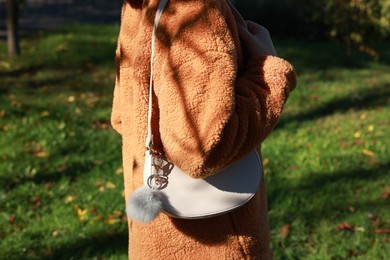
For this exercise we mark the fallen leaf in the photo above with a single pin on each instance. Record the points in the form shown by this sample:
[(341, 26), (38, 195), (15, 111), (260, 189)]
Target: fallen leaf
[(363, 116), (379, 133), (351, 209), (97, 162), (16, 104), (343, 144), (78, 111), (119, 171), (45, 113), (360, 229), (370, 128), (94, 212), (69, 199), (382, 231), (81, 213), (314, 97), (48, 185), (61, 169), (110, 185), (368, 153), (91, 100), (345, 226), (61, 126), (98, 218), (112, 219), (310, 241), (285, 230), (102, 124), (386, 194), (293, 167), (360, 142), (38, 151), (42, 154), (11, 219), (265, 162), (71, 99), (99, 183), (55, 233), (357, 135), (63, 47), (376, 220), (37, 202), (5, 128), (5, 64), (117, 213)]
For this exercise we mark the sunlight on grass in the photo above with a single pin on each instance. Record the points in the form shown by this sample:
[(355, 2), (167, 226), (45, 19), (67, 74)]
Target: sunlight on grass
[(61, 182), (329, 165)]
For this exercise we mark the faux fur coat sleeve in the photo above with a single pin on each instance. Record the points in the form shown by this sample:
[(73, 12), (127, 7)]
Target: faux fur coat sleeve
[(209, 114)]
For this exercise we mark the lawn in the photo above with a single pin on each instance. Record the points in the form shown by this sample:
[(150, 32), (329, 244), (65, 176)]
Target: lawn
[(61, 181)]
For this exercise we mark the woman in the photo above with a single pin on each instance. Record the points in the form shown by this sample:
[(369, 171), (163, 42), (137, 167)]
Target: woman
[(213, 103)]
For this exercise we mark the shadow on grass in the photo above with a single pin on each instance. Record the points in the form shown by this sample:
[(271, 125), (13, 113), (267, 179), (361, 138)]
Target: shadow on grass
[(21, 71), (368, 98), (72, 48), (317, 186), (71, 172), (94, 246), (30, 84), (322, 55)]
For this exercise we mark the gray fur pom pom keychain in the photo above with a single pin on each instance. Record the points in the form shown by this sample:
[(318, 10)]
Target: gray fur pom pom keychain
[(144, 204)]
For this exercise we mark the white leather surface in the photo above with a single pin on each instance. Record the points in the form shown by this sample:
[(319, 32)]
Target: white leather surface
[(185, 197)]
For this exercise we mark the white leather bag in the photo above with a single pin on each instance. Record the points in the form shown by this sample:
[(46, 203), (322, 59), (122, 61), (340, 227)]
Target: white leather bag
[(168, 188)]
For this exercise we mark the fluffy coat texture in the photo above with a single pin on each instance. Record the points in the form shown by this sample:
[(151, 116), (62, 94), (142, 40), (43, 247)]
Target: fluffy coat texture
[(211, 107)]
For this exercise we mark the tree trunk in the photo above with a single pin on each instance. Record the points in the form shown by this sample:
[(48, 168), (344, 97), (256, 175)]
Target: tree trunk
[(12, 28)]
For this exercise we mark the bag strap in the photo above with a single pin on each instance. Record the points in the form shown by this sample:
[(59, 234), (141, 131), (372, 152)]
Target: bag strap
[(160, 9)]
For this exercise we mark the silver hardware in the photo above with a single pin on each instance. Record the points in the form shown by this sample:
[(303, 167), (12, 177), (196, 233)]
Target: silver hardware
[(162, 168)]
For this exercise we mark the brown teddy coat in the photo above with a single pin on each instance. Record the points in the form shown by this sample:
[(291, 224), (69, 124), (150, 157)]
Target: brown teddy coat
[(211, 106)]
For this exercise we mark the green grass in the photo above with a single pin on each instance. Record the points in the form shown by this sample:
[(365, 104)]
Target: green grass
[(329, 158), (61, 183)]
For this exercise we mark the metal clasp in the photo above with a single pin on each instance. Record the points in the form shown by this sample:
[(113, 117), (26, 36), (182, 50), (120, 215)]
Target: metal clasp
[(161, 169)]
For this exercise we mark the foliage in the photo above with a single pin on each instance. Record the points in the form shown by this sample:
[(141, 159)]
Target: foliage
[(61, 179), (356, 22), (353, 23)]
